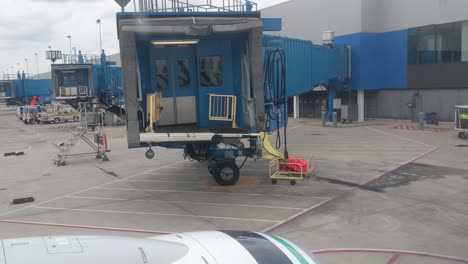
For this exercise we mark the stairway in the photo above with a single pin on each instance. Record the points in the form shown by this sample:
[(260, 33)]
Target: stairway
[(89, 125), (65, 147)]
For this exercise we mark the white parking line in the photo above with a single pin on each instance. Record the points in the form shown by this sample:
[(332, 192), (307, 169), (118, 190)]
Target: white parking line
[(87, 189), (100, 228), (165, 173), (182, 202), (298, 215), (304, 186), (161, 214), (163, 181), (222, 193), (398, 136), (261, 185)]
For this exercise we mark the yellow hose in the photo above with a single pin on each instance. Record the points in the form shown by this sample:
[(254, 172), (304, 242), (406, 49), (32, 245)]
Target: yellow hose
[(269, 148)]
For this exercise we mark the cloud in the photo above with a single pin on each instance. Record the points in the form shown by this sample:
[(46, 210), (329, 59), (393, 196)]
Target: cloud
[(30, 26)]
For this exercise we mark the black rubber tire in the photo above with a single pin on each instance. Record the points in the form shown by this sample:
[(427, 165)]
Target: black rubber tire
[(293, 182), (226, 173), (32, 121), (149, 154), (462, 135), (274, 181), (56, 120)]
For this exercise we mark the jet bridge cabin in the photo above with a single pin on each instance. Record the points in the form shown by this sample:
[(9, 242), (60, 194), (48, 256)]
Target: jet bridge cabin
[(7, 91), (191, 74)]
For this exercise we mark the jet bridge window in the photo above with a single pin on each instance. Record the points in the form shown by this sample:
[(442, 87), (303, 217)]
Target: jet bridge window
[(211, 71), (184, 73), (162, 74)]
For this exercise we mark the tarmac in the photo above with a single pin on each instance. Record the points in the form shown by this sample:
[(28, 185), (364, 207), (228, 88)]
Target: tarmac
[(381, 191)]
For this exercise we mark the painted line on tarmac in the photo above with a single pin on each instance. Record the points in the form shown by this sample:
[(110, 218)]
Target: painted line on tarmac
[(398, 136), (101, 228), (182, 202), (261, 185), (166, 173), (393, 259), (87, 189), (160, 214), (303, 186), (269, 229), (292, 128), (223, 193), (163, 181), (388, 251)]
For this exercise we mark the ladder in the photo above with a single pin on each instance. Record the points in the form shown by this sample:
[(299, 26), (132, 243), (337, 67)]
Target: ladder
[(71, 134)]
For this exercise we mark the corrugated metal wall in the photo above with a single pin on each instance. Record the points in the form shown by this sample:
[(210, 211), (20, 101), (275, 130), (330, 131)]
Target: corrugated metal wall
[(33, 87), (308, 65)]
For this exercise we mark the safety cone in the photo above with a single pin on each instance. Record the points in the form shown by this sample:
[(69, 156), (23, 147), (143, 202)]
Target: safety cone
[(104, 136)]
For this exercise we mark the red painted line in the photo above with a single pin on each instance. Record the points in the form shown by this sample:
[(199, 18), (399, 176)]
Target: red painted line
[(393, 259), (399, 253), (86, 227), (344, 193)]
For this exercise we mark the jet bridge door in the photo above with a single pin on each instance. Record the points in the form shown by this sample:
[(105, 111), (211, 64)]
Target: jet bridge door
[(173, 74)]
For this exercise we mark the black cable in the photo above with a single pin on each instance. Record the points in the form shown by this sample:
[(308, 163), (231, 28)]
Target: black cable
[(243, 163), (275, 83)]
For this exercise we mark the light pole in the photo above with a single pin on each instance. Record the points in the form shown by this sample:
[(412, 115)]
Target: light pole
[(27, 67), (98, 21), (69, 40), (37, 65)]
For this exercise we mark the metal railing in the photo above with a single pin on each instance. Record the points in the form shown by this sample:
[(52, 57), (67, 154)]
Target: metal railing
[(87, 59), (12, 77), (222, 108), (196, 6)]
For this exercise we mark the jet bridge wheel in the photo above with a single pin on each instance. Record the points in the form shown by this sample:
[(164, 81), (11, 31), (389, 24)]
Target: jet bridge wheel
[(226, 173), (462, 135)]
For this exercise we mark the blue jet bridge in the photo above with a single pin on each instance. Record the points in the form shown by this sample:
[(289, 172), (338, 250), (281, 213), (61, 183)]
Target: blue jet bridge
[(19, 89), (204, 78), (84, 78), (7, 91)]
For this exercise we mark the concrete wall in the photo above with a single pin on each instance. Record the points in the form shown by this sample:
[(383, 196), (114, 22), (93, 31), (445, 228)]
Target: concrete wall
[(394, 103), (370, 16), (402, 14), (451, 75), (307, 19)]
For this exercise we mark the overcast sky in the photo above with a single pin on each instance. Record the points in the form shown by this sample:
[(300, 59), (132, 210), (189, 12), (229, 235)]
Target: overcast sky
[(30, 26)]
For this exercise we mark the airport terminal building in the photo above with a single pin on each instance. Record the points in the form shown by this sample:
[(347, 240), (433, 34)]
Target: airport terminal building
[(407, 56)]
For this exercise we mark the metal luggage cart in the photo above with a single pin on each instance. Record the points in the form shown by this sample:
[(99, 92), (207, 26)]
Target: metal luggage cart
[(291, 170), (461, 121)]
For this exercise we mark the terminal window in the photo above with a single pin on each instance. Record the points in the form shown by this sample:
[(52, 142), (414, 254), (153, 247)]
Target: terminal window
[(438, 44)]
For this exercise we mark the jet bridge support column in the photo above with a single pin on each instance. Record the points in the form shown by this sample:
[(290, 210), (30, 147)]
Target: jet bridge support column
[(360, 102), (296, 106)]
